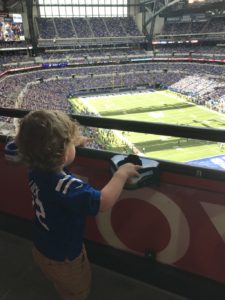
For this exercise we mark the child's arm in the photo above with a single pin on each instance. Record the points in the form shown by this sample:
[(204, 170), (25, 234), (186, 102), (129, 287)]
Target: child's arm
[(83, 141), (112, 190)]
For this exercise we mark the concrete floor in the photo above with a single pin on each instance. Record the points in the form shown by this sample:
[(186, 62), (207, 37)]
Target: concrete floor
[(20, 279)]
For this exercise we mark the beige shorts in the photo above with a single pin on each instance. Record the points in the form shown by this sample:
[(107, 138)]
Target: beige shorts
[(72, 279)]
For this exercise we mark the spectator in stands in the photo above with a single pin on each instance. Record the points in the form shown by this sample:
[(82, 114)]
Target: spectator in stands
[(16, 28), (46, 141)]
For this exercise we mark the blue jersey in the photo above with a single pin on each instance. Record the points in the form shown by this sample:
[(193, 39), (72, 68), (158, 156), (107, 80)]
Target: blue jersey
[(61, 202)]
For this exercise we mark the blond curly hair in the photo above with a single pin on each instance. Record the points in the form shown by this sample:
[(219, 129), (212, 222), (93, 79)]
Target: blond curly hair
[(43, 137)]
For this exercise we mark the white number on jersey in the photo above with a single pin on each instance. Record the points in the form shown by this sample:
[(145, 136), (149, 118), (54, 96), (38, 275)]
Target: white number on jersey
[(39, 209)]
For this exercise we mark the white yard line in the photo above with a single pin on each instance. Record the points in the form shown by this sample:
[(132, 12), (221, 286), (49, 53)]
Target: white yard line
[(91, 107)]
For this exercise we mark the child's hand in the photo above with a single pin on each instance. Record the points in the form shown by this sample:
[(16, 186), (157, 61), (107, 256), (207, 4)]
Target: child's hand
[(84, 140), (111, 191), (129, 170)]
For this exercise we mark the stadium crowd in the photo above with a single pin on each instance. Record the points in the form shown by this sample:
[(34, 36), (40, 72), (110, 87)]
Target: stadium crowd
[(187, 49), (50, 28), (202, 82), (205, 26)]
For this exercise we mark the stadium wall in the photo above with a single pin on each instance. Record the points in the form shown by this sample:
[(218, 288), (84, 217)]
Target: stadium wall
[(25, 22), (134, 11), (139, 21), (35, 15), (159, 23)]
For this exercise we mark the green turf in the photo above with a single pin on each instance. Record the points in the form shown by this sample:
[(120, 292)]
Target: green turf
[(163, 107)]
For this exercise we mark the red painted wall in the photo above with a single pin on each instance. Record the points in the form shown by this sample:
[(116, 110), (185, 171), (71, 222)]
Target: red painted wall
[(183, 219)]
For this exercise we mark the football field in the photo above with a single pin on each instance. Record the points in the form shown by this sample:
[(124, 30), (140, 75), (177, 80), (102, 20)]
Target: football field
[(160, 107)]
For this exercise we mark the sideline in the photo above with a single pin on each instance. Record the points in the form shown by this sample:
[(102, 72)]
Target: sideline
[(203, 107), (116, 132)]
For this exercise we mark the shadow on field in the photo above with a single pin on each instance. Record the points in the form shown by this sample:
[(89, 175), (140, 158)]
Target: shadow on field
[(220, 123), (144, 109)]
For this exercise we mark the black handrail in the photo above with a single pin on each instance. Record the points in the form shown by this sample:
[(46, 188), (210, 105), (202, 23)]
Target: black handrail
[(208, 134)]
